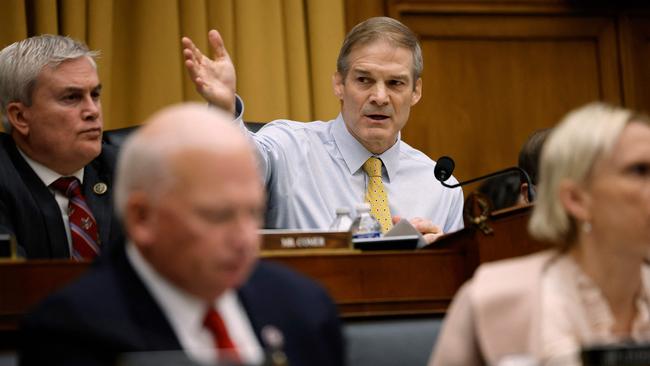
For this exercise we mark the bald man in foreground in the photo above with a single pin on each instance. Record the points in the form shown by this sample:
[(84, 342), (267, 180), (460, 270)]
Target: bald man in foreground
[(188, 277)]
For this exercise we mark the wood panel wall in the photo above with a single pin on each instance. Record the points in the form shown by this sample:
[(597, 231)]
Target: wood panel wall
[(495, 71)]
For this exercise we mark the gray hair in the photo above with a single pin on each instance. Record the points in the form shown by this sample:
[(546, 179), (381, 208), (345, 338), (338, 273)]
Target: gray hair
[(22, 62), (569, 153), (380, 28)]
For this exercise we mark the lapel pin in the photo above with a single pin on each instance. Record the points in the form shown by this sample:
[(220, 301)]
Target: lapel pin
[(100, 188)]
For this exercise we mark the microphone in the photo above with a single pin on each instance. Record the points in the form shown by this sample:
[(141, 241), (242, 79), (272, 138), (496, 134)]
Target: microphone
[(445, 166)]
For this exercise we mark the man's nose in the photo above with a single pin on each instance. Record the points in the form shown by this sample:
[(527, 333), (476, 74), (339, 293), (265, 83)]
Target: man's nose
[(379, 94), (91, 108)]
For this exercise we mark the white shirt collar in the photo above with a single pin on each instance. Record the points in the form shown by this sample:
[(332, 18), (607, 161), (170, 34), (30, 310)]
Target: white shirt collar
[(355, 154), (186, 313), (186, 308), (47, 175)]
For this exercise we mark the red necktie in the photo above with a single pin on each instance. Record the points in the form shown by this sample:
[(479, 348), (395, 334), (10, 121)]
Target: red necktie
[(83, 227), (222, 341)]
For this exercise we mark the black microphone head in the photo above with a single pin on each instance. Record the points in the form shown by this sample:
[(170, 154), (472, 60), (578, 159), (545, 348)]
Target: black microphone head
[(444, 168)]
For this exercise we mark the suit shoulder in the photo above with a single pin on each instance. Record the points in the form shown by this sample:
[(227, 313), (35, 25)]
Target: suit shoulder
[(108, 156), (84, 296), (5, 159), (103, 166), (280, 280)]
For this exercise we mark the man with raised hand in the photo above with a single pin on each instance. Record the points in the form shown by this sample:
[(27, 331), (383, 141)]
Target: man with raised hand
[(311, 169)]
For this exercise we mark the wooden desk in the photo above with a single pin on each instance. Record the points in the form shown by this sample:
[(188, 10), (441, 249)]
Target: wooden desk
[(387, 283), (25, 283), (390, 283)]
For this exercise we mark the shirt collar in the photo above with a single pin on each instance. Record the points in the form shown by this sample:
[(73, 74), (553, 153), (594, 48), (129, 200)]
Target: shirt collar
[(354, 154), (47, 175), (186, 312), (184, 309)]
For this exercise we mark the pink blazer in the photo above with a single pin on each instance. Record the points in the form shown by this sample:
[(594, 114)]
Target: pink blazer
[(495, 314)]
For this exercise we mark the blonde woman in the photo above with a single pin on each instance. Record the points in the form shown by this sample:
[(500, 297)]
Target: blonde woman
[(594, 287)]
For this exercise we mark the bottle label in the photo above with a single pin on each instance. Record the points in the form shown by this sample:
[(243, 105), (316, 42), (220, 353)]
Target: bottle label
[(367, 235)]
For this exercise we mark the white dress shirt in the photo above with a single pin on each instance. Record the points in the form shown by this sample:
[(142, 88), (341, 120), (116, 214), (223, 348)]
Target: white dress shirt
[(311, 169), (186, 314)]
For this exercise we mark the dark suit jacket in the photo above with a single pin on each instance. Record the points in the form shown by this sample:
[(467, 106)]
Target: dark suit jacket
[(30, 212), (109, 311)]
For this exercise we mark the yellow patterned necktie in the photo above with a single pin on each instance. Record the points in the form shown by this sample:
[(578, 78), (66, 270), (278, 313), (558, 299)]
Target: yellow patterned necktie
[(376, 195)]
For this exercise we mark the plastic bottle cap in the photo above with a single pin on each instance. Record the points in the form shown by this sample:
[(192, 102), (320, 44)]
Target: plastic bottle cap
[(342, 210), (363, 206)]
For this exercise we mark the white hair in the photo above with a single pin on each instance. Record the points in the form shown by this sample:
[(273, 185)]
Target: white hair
[(144, 161), (140, 166)]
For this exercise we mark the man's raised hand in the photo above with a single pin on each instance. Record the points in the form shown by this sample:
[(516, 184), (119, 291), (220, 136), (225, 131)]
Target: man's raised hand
[(215, 78)]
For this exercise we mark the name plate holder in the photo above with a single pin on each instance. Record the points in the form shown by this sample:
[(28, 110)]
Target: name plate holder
[(8, 248), (305, 239)]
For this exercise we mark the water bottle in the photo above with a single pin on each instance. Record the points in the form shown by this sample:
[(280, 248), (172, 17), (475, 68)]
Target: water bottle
[(365, 225), (343, 221)]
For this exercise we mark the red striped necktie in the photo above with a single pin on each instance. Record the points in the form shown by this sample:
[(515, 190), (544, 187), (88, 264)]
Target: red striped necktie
[(83, 226), (222, 341)]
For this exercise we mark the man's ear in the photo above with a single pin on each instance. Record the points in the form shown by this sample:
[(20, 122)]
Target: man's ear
[(138, 219), (337, 84), (523, 192), (417, 92), (575, 199), (17, 115)]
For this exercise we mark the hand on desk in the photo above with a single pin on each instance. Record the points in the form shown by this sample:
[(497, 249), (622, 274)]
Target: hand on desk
[(215, 79), (429, 231)]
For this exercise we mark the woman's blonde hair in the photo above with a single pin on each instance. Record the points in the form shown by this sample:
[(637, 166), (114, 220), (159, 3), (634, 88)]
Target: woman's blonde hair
[(569, 153)]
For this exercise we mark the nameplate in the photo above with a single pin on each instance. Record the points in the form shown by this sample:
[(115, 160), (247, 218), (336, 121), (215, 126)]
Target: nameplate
[(303, 239)]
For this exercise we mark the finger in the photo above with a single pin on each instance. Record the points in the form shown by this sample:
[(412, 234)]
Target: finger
[(191, 68), (187, 42), (216, 42), (430, 238), (396, 219), (198, 55), (431, 229), (419, 224), (416, 221), (425, 226), (188, 55), (189, 46), (195, 52)]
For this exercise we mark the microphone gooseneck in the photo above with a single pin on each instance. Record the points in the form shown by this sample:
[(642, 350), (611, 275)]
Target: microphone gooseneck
[(445, 167)]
